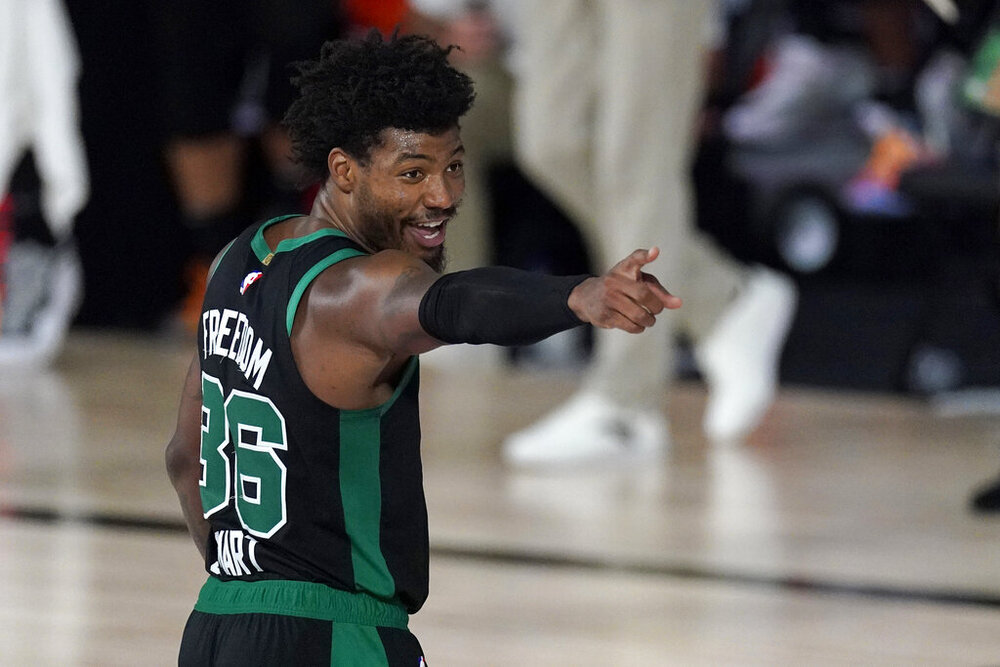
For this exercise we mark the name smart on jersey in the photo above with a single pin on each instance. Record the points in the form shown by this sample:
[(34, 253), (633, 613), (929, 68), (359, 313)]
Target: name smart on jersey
[(228, 333), (236, 554)]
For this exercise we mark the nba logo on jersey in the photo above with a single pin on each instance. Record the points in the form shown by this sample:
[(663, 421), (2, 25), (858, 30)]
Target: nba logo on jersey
[(250, 279), (421, 663)]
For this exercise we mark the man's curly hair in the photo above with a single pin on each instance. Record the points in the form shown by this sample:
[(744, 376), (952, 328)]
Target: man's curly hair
[(357, 88)]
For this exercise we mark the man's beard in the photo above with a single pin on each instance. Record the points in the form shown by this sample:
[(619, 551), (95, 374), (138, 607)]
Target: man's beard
[(383, 232), (438, 260)]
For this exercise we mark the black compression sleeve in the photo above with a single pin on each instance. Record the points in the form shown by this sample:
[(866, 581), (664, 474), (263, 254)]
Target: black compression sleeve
[(498, 305)]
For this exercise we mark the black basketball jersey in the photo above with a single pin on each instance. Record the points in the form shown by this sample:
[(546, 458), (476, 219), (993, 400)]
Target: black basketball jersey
[(293, 487)]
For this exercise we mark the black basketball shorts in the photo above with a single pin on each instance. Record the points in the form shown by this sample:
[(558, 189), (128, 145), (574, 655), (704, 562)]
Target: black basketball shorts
[(294, 623)]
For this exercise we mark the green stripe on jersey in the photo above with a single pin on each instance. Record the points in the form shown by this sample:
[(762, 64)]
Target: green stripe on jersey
[(361, 494), (361, 489)]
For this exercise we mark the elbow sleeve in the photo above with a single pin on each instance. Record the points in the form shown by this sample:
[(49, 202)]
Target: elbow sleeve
[(498, 305)]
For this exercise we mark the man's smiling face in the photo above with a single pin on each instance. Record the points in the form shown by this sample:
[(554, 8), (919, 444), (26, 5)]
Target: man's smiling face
[(410, 188)]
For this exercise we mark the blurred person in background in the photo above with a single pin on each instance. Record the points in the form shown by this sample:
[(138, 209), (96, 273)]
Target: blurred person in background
[(482, 31), (886, 71), (44, 180), (224, 82), (928, 73), (982, 91), (605, 122)]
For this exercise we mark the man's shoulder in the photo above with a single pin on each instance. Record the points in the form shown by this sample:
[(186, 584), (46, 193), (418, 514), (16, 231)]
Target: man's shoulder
[(367, 271)]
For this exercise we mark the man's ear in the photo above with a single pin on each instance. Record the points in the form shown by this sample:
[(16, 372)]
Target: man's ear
[(343, 170)]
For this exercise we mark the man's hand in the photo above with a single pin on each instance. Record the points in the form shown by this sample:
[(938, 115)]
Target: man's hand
[(624, 298)]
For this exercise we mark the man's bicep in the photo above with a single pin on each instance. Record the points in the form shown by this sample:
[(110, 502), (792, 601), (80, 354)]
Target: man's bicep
[(189, 412), (184, 447), (183, 457)]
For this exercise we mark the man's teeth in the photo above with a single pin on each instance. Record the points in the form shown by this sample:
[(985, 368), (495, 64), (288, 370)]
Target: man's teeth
[(430, 230)]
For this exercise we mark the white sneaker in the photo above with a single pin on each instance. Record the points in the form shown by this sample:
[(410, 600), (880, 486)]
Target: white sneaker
[(589, 429), (44, 292), (739, 358)]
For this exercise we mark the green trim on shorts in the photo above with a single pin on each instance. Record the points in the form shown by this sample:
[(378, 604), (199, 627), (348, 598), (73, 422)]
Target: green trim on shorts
[(303, 599), (358, 645)]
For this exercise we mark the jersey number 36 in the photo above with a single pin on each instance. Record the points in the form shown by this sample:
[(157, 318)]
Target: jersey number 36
[(253, 424)]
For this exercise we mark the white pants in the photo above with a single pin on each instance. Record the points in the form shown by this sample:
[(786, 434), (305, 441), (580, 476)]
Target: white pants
[(604, 123), (486, 136)]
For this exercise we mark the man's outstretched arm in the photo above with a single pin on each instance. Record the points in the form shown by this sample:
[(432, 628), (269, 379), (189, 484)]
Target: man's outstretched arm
[(409, 309)]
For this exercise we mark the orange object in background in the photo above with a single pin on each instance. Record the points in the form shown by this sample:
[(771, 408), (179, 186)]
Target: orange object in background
[(892, 153)]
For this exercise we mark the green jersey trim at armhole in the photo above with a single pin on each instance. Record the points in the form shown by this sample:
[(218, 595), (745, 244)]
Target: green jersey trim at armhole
[(318, 268)]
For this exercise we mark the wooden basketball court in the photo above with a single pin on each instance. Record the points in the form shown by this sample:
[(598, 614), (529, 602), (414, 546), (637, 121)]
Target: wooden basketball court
[(839, 535)]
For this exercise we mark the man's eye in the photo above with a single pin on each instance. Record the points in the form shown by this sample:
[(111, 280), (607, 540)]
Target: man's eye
[(455, 167), (413, 174)]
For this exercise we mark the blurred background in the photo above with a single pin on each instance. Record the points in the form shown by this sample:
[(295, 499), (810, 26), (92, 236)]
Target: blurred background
[(853, 145), (850, 144)]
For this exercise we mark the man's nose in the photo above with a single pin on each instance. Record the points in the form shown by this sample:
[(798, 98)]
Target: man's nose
[(440, 193)]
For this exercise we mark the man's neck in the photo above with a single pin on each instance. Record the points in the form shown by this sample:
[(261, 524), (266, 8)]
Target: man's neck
[(333, 212)]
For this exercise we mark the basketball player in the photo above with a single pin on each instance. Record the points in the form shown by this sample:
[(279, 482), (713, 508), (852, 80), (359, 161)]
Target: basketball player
[(296, 456)]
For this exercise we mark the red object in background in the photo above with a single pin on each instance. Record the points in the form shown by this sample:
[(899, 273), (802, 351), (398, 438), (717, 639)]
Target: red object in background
[(385, 15), (309, 196), (761, 69)]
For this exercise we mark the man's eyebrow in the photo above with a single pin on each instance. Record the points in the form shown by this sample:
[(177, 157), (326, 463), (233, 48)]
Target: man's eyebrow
[(403, 157)]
